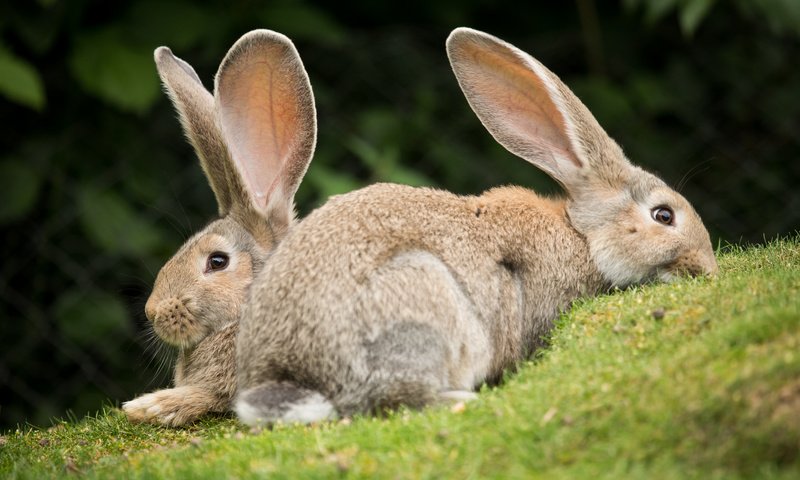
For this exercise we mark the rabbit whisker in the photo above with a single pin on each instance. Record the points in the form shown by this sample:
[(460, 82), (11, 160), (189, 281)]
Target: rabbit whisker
[(691, 173)]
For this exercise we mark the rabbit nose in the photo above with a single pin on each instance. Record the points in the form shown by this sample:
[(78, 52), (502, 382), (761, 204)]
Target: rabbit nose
[(712, 269), (160, 309), (171, 308), (697, 263), (150, 309), (705, 263)]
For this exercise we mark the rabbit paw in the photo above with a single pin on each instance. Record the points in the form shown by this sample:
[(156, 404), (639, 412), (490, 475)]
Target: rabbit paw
[(172, 407)]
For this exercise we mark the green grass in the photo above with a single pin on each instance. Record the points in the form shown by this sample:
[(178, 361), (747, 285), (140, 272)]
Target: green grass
[(711, 389)]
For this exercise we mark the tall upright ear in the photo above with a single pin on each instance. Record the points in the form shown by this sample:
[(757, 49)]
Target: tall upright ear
[(196, 109), (266, 111), (529, 111)]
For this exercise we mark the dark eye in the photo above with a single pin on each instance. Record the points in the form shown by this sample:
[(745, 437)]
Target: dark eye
[(663, 215), (216, 261)]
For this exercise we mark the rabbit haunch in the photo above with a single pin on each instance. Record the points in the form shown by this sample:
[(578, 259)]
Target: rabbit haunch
[(394, 295)]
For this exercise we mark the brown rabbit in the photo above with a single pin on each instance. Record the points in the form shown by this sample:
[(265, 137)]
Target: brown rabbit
[(255, 138), (393, 295)]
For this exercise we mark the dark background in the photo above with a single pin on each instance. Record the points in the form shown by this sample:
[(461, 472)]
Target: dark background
[(98, 187)]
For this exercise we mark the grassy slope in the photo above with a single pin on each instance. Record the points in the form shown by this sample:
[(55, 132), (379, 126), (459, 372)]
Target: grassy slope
[(712, 389)]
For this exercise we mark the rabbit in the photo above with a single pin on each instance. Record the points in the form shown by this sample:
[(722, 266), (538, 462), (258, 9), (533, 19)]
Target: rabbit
[(395, 296), (255, 138)]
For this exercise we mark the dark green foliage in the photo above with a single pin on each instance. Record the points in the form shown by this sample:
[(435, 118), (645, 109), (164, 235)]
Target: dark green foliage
[(100, 187)]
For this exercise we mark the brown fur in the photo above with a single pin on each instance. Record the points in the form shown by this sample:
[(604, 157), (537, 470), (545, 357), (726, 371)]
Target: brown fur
[(255, 138), (396, 295), (204, 383)]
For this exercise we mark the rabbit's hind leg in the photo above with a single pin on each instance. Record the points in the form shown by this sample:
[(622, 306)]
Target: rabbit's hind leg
[(408, 366), (286, 402)]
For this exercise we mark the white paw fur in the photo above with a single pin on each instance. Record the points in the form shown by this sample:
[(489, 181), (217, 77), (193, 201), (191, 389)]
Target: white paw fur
[(146, 406), (455, 396), (313, 408)]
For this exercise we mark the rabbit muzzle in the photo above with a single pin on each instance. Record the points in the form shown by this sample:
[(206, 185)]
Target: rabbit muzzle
[(694, 263), (174, 322)]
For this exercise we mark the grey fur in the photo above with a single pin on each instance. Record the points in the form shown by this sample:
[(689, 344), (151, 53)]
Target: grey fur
[(277, 397), (397, 295)]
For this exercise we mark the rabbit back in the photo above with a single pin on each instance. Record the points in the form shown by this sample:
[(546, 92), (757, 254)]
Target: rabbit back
[(393, 292)]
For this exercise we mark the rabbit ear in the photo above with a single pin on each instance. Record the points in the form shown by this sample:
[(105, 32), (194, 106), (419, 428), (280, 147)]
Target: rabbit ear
[(529, 111), (266, 111), (196, 108)]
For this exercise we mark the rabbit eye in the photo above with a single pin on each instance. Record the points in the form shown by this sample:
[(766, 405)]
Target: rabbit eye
[(663, 215), (216, 261)]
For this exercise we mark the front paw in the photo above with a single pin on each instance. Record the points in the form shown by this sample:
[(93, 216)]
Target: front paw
[(173, 407)]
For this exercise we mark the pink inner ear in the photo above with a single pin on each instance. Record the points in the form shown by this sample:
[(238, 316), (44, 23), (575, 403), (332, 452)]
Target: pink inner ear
[(515, 104), (260, 116)]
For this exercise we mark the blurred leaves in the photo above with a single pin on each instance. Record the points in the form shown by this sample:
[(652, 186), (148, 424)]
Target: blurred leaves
[(110, 68), (328, 182), (692, 13), (38, 33), (379, 149), (652, 94), (111, 223), (610, 100), (92, 319), (300, 21), (385, 164), (176, 24), (20, 82), (782, 16), (20, 188)]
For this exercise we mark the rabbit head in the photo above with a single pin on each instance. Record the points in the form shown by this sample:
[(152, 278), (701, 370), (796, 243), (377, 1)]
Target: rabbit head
[(255, 138), (637, 228)]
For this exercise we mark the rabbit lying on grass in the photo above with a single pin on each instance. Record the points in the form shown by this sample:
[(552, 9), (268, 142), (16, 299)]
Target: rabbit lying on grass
[(255, 138), (393, 295)]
